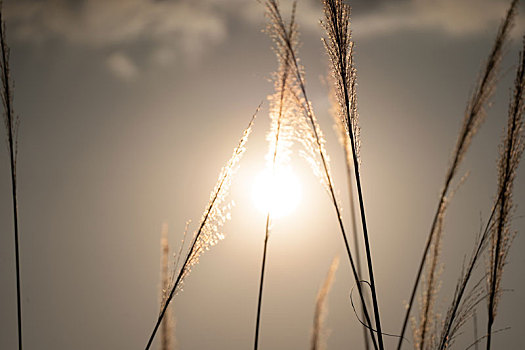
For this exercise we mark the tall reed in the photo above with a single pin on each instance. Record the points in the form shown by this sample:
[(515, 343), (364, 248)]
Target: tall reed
[(464, 303), (280, 139), (312, 137), (207, 235), (316, 341), (501, 235), (345, 142), (474, 116), (11, 124), (339, 46), (424, 331)]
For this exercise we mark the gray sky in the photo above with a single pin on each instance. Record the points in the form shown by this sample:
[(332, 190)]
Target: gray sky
[(130, 108)]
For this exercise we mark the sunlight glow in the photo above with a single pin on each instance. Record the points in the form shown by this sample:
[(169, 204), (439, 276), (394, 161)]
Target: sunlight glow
[(280, 193)]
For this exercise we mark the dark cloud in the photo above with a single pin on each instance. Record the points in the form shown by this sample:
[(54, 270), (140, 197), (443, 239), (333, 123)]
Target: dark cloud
[(168, 30)]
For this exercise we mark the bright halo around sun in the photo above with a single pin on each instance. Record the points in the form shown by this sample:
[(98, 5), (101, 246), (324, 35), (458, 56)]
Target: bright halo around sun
[(279, 193)]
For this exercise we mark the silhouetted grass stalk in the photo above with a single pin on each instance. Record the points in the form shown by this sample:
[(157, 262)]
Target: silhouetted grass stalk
[(339, 47), (345, 142), (473, 118), (499, 218), (512, 150), (282, 80), (11, 124), (207, 234), (305, 105), (456, 316)]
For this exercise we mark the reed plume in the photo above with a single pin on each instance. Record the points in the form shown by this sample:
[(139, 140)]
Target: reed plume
[(280, 139), (316, 342), (214, 216), (424, 331), (501, 235), (339, 47), (498, 225), (473, 118), (11, 121), (168, 323), (311, 136)]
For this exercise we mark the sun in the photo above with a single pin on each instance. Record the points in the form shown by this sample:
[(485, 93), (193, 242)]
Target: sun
[(278, 193)]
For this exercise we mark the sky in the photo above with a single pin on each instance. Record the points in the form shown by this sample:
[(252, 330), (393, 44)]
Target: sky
[(130, 108)]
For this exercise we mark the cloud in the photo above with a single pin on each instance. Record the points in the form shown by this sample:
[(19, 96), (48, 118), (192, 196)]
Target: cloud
[(110, 22), (149, 33), (161, 29), (450, 17)]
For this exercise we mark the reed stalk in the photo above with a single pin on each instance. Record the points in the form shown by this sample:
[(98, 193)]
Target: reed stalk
[(473, 118), (11, 124), (280, 110), (317, 141), (207, 234), (345, 142), (512, 149), (339, 46), (497, 225)]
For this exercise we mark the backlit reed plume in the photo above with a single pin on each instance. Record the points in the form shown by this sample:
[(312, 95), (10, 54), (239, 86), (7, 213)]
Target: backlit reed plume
[(474, 116), (214, 216), (11, 124), (498, 224), (318, 331), (339, 46), (501, 235), (168, 323), (280, 139), (426, 326), (345, 142), (310, 134)]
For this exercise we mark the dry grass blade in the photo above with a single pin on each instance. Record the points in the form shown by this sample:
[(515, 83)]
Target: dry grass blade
[(424, 332), (11, 125), (280, 139), (473, 118), (345, 142), (511, 151), (316, 342), (463, 304), (312, 137), (213, 217), (340, 50)]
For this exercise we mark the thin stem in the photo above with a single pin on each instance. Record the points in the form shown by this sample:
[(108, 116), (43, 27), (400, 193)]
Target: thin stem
[(8, 96), (274, 12), (354, 228), (462, 287), (508, 165), (261, 283), (473, 118), (186, 265), (309, 115), (340, 52), (282, 92)]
